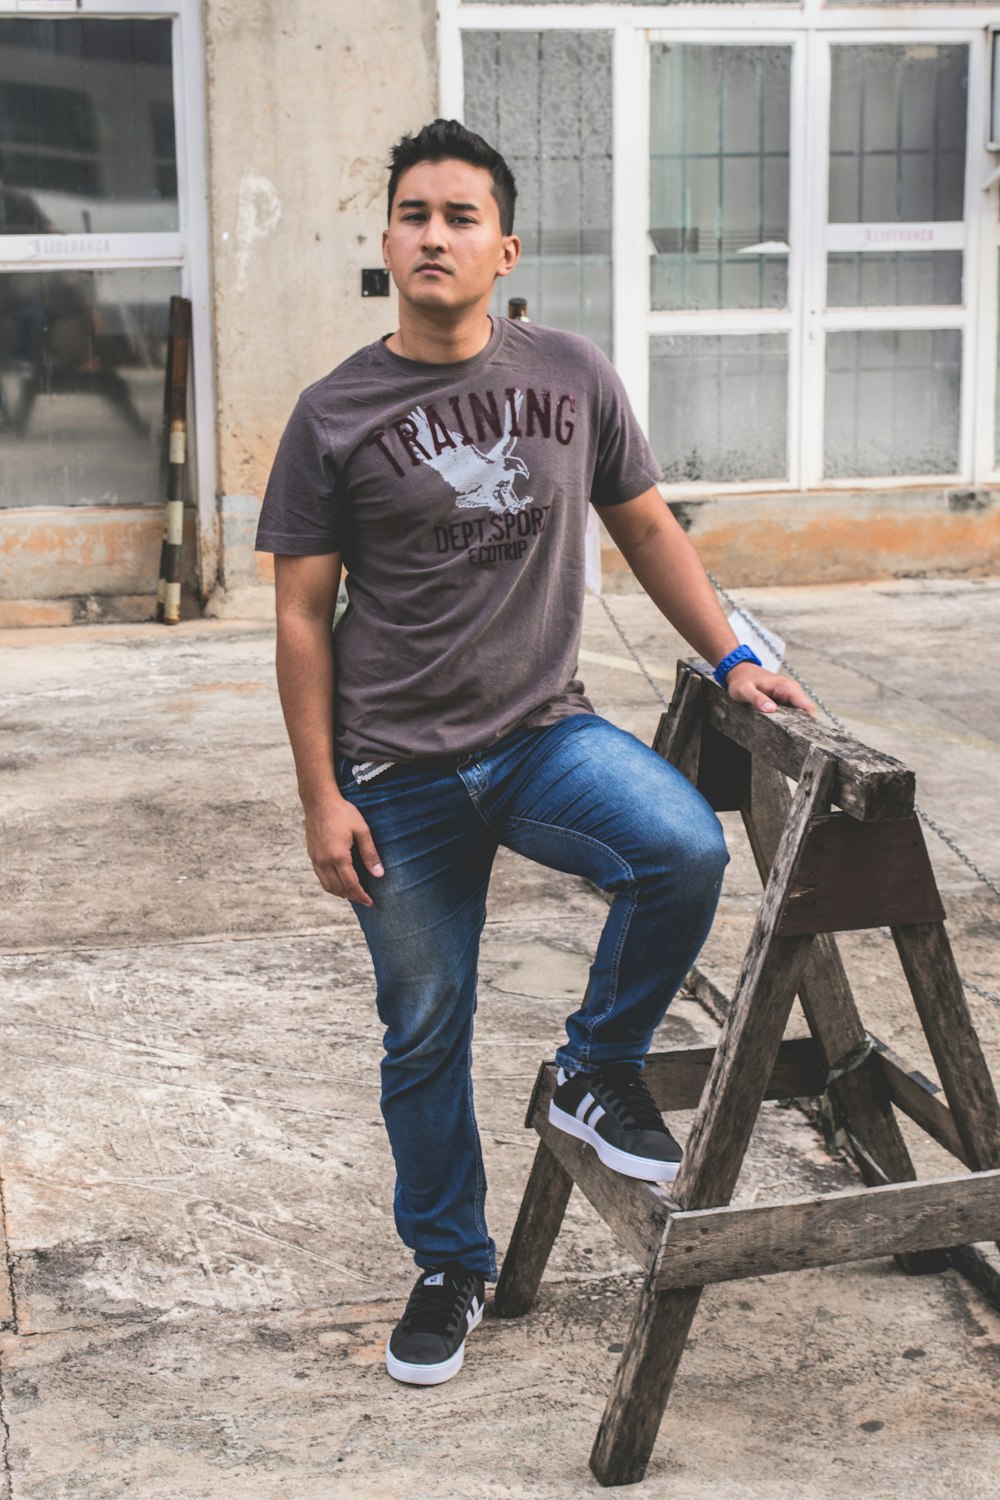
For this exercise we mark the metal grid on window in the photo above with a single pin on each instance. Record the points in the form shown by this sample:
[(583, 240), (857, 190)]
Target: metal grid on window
[(719, 163), (897, 133), (892, 402), (543, 98), (904, 279), (717, 406)]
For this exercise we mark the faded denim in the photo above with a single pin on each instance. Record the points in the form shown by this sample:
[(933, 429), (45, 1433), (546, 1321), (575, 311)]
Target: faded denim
[(580, 796)]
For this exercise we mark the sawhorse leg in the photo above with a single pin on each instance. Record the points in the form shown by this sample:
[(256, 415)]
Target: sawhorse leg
[(734, 1092), (538, 1221), (831, 1012), (643, 1382)]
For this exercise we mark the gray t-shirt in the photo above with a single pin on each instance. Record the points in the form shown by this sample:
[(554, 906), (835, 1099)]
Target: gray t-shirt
[(458, 496)]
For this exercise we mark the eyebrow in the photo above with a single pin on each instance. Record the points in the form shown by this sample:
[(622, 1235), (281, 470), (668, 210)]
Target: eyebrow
[(422, 203)]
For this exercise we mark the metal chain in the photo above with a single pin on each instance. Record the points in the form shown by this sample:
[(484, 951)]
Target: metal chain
[(947, 839), (977, 989), (632, 651), (772, 642)]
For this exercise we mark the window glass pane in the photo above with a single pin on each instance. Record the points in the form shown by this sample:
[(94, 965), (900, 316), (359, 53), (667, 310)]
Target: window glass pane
[(892, 402), (82, 364), (897, 134), (543, 98), (86, 127), (718, 145), (895, 280), (717, 406)]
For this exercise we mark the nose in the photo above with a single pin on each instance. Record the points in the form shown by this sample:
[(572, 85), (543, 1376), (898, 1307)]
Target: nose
[(435, 234)]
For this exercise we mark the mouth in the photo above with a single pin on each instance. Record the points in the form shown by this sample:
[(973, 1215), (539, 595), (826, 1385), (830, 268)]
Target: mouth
[(432, 267)]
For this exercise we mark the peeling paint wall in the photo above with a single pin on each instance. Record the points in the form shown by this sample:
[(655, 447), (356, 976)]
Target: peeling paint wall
[(848, 536), (305, 99)]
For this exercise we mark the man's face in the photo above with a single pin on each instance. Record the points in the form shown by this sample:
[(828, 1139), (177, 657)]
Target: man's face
[(444, 247)]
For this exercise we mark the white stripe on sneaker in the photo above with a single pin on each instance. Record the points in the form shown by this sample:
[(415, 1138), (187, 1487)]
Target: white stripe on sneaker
[(584, 1105)]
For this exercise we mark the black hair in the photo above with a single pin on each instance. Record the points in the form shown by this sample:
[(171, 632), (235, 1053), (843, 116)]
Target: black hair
[(444, 139)]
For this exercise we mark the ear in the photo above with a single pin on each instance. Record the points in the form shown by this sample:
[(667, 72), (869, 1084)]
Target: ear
[(385, 248), (510, 254)]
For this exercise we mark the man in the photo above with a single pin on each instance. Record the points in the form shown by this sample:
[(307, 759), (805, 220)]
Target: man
[(450, 465)]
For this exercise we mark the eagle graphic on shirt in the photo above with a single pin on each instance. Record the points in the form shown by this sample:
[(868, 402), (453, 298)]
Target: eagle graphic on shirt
[(479, 478)]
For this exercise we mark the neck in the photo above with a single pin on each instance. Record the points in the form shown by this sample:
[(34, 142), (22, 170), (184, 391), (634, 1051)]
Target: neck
[(430, 339)]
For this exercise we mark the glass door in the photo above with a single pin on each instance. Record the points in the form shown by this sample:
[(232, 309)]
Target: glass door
[(722, 262), (887, 320), (812, 231)]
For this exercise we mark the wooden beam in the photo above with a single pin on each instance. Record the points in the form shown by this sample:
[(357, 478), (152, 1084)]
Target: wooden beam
[(635, 1212), (751, 1037), (642, 1383), (860, 1096), (936, 987), (971, 1262), (723, 771), (725, 1244), (676, 1078), (538, 1222), (920, 1099), (853, 875), (678, 737), (866, 783)]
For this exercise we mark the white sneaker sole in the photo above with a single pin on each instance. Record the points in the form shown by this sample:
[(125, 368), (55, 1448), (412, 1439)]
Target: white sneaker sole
[(429, 1374), (645, 1168)]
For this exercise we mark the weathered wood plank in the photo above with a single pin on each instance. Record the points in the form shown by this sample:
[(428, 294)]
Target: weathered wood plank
[(676, 1078), (920, 1099), (642, 1383), (678, 736), (854, 875), (538, 1222), (751, 1036), (971, 1262), (866, 783), (725, 1244), (860, 1096), (635, 1212), (936, 986), (723, 771)]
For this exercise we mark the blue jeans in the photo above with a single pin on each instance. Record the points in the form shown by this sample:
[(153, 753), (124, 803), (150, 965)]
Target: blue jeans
[(580, 796)]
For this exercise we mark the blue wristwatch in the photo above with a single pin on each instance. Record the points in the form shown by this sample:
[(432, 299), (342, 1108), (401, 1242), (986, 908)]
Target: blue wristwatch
[(726, 665)]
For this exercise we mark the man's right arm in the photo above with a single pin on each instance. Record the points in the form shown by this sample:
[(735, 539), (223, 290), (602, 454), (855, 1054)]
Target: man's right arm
[(305, 599)]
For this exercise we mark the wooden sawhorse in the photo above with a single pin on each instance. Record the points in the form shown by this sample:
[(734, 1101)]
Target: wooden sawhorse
[(865, 866)]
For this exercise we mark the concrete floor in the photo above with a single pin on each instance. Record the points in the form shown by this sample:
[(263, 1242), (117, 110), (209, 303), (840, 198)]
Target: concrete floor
[(195, 1182)]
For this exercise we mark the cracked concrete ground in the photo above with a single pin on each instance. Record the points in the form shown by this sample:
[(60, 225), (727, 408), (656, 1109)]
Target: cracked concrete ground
[(194, 1179)]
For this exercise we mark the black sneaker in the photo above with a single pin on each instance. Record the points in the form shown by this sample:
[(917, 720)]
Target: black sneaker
[(612, 1111), (427, 1345)]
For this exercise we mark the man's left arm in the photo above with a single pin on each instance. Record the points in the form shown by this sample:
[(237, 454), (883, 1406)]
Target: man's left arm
[(667, 566)]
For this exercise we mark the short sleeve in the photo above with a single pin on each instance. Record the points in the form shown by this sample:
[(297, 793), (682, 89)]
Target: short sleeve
[(626, 466), (303, 512)]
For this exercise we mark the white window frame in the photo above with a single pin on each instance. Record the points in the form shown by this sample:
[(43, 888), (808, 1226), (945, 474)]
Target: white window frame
[(808, 28), (187, 249)]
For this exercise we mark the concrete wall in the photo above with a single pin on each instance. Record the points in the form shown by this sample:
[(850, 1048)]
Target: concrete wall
[(305, 99), (844, 536)]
